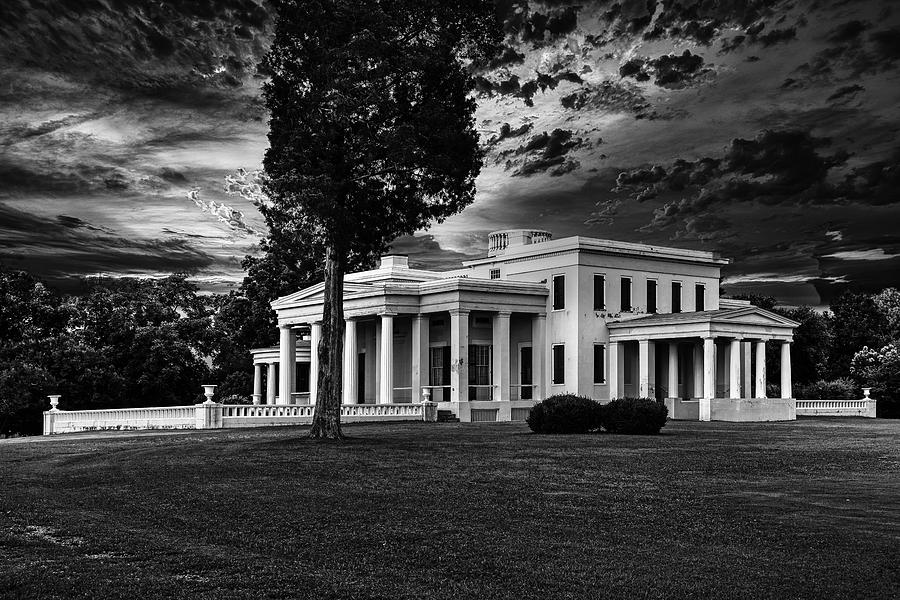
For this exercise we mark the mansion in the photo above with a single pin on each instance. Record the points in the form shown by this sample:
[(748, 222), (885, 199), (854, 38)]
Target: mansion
[(534, 318)]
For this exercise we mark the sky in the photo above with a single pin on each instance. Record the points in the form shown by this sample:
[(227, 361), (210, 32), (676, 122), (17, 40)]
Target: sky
[(767, 131)]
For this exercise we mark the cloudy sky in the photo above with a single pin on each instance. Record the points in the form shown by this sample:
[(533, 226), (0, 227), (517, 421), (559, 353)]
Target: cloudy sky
[(764, 130)]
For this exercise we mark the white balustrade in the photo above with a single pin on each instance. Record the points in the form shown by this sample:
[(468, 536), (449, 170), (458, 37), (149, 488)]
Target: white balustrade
[(863, 407)]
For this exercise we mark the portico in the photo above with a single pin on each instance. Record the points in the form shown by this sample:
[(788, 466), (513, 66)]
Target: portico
[(411, 334), (707, 365)]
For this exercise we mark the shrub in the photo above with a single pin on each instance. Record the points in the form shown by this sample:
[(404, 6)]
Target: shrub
[(838, 389), (564, 413), (642, 416)]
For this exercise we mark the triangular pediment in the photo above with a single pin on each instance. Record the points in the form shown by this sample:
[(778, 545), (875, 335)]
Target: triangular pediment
[(754, 315), (318, 292)]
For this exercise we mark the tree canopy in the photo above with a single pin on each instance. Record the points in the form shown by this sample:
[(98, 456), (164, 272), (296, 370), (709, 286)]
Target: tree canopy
[(371, 136)]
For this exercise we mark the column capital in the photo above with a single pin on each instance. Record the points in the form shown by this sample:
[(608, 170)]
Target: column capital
[(503, 313), (459, 311), (421, 316), (387, 313), (539, 315)]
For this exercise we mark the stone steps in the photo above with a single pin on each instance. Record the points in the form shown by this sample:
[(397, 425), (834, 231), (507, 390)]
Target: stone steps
[(446, 416)]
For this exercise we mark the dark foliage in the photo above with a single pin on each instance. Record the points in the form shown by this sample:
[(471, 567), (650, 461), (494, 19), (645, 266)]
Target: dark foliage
[(565, 413), (126, 343), (838, 389), (640, 416)]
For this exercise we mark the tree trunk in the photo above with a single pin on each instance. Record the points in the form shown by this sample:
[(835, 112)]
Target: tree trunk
[(326, 422)]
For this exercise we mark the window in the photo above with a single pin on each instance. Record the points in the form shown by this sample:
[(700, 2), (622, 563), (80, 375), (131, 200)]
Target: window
[(479, 369), (676, 296), (651, 296), (559, 363), (495, 273), (439, 364), (559, 292), (599, 363), (626, 294), (700, 293), (599, 292)]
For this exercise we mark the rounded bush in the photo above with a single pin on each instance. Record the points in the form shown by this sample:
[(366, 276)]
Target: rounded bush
[(564, 413), (640, 416)]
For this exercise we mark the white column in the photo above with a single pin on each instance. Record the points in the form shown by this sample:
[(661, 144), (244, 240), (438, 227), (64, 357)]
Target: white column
[(747, 380), (538, 355), (644, 368), (500, 359), (287, 363), (672, 392), (698, 371), (271, 383), (615, 370), (420, 341), (786, 391), (459, 355), (709, 378), (734, 371), (760, 368), (315, 334), (386, 365), (257, 383), (350, 375)]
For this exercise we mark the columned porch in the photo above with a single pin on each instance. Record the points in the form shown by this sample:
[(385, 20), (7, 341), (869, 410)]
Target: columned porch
[(463, 343), (705, 366)]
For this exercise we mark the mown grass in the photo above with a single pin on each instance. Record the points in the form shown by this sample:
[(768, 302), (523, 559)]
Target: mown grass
[(801, 510)]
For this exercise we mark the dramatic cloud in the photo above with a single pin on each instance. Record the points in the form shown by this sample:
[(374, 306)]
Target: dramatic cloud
[(124, 126)]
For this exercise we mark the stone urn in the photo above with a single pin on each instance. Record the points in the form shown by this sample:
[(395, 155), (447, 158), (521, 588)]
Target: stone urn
[(866, 392), (54, 402), (208, 391)]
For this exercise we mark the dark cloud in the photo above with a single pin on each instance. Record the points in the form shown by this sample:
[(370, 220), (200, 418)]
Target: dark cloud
[(547, 152), (507, 132), (789, 167), (608, 96), (66, 247), (847, 90), (671, 70)]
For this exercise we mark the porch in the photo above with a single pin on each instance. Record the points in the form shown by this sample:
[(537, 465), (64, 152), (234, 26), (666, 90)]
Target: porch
[(707, 365), (465, 344)]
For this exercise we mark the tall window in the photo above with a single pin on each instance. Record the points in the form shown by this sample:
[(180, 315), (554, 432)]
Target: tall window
[(599, 363), (439, 371), (559, 363), (651, 296), (479, 369), (676, 296), (700, 293), (559, 292), (599, 292), (626, 294)]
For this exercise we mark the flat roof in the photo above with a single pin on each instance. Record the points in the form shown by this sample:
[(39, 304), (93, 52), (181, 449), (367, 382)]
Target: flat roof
[(601, 246)]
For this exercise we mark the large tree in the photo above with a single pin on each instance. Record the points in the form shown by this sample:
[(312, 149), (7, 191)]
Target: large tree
[(371, 135)]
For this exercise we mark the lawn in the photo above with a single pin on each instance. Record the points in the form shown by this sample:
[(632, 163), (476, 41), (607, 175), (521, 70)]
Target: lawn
[(809, 509)]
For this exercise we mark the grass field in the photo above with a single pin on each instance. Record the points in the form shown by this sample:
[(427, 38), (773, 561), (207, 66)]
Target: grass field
[(794, 510)]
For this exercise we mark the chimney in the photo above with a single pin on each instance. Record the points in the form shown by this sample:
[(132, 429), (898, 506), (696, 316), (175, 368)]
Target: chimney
[(394, 262)]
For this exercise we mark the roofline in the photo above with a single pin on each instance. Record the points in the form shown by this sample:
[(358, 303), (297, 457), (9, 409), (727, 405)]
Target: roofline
[(602, 246)]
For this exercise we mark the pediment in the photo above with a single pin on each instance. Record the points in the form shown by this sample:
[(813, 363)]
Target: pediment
[(318, 292), (755, 316)]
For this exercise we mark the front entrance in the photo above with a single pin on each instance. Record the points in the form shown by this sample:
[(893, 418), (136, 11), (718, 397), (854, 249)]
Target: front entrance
[(526, 376)]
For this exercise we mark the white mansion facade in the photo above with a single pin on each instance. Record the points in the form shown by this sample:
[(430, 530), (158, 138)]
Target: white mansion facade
[(538, 317)]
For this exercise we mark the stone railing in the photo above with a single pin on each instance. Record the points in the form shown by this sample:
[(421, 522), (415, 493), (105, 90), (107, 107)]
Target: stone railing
[(169, 417), (211, 415), (864, 407)]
